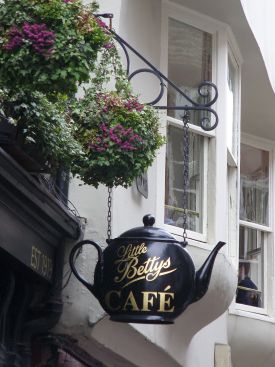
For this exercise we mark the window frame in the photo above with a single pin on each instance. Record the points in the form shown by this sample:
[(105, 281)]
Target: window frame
[(197, 236), (268, 230), (217, 157), (233, 55), (211, 26)]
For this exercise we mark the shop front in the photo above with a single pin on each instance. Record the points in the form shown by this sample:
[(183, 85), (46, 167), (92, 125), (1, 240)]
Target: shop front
[(35, 227)]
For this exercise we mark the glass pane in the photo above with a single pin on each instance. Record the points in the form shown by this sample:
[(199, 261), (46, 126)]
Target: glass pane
[(251, 277), (174, 180), (231, 95), (254, 195), (189, 63)]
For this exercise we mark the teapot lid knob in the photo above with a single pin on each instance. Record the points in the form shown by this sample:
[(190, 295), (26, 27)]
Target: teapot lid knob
[(148, 220)]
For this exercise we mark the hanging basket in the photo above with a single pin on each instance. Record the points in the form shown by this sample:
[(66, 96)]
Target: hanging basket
[(48, 46), (119, 135)]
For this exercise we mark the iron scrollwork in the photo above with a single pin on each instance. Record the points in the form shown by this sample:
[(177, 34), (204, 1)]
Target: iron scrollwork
[(207, 90)]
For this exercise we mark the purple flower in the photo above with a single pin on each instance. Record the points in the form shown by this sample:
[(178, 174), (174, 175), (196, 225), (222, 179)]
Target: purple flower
[(101, 23), (108, 45), (133, 104), (42, 40), (15, 39)]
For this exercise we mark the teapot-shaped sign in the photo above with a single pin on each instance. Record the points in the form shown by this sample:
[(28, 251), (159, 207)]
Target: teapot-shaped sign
[(146, 275)]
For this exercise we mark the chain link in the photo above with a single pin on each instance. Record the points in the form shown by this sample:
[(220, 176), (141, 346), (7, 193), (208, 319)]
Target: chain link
[(186, 121), (109, 215)]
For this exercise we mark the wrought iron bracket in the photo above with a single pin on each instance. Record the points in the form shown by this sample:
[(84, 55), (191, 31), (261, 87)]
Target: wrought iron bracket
[(206, 89)]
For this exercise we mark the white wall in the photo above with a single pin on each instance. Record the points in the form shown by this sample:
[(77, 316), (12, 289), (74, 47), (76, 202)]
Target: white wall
[(260, 15), (252, 341)]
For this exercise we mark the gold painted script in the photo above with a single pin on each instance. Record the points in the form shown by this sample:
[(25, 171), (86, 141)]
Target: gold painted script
[(146, 301), (131, 269)]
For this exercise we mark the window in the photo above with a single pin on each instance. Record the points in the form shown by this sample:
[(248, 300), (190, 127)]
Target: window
[(254, 225), (189, 63), (174, 179), (195, 49)]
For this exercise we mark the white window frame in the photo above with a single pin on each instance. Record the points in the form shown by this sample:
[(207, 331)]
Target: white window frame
[(233, 54), (268, 260), (177, 230), (217, 30)]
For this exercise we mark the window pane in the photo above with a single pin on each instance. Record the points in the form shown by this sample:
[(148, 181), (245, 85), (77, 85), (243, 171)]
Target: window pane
[(189, 63), (254, 194), (251, 277), (174, 179)]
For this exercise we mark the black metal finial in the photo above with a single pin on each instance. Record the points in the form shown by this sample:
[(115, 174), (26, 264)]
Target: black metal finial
[(148, 220)]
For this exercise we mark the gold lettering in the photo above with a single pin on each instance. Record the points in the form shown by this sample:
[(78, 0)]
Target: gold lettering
[(127, 270), (148, 301), (130, 251), (38, 253), (165, 300), (44, 265), (143, 248), (41, 262), (130, 269), (167, 263), (130, 301), (33, 258), (140, 271), (121, 251), (108, 300)]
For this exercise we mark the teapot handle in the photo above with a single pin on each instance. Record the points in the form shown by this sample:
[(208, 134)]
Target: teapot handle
[(88, 285)]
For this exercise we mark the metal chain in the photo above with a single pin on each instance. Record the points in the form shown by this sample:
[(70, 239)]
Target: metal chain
[(186, 120), (109, 215)]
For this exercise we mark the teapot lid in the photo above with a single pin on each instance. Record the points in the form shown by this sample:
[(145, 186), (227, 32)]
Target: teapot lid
[(148, 231)]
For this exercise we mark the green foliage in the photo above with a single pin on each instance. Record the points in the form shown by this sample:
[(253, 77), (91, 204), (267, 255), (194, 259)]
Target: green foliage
[(47, 49), (75, 34), (118, 134), (43, 127)]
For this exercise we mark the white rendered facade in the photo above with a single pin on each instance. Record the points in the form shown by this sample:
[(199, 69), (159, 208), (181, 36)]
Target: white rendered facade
[(242, 52)]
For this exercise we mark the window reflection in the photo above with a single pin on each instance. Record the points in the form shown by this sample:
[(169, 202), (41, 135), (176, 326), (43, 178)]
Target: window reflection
[(174, 180), (254, 195), (250, 276), (189, 64)]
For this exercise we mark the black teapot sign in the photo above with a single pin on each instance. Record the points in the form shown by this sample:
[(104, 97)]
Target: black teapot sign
[(146, 275)]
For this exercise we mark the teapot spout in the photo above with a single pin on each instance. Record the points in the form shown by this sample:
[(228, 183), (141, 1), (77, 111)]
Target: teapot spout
[(203, 275)]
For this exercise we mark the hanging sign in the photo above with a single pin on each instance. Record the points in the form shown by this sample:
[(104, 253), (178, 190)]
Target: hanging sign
[(146, 275)]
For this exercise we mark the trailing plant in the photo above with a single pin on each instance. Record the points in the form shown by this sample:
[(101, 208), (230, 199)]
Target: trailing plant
[(42, 126), (47, 49), (118, 134), (49, 46)]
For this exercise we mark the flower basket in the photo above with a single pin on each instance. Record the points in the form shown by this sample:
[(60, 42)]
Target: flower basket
[(118, 134), (120, 138), (49, 46)]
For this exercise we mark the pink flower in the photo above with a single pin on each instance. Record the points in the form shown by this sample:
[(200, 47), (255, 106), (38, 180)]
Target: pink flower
[(123, 139)]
